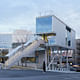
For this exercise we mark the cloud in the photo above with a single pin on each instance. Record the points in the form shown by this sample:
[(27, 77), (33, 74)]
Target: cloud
[(72, 18), (22, 13)]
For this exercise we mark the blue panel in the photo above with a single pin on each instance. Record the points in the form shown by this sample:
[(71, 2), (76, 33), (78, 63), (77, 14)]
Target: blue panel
[(51, 40), (44, 24)]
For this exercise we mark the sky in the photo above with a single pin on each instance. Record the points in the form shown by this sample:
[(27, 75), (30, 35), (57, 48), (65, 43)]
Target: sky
[(21, 14)]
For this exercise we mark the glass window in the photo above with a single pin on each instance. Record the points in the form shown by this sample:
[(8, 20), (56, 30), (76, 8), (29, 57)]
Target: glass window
[(68, 36), (44, 24), (51, 40)]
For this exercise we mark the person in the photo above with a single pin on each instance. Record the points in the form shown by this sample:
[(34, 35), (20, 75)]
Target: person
[(3, 61), (44, 66)]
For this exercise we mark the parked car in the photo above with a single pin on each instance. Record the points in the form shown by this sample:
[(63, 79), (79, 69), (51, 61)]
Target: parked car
[(75, 67)]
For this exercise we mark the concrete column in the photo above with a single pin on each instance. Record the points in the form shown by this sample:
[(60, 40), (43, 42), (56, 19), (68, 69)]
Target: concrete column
[(53, 61), (51, 57), (51, 53), (60, 58), (58, 54), (45, 57), (67, 60)]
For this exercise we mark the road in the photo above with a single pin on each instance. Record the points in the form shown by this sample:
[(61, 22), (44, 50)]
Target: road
[(36, 75)]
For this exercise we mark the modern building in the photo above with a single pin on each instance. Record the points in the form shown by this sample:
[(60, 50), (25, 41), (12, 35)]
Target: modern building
[(65, 36), (60, 47), (20, 36)]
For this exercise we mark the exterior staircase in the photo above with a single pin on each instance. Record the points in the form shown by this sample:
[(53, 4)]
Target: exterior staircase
[(23, 51)]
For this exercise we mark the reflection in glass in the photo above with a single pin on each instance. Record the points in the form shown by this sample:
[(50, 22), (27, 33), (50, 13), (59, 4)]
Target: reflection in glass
[(44, 24)]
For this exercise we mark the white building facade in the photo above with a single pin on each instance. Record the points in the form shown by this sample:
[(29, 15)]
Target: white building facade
[(61, 46), (65, 36)]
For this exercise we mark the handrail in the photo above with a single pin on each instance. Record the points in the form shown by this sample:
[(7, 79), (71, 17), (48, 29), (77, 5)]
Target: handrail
[(51, 62), (21, 46), (18, 55)]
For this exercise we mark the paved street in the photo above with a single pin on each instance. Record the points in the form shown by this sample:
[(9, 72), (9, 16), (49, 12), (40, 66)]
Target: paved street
[(36, 75)]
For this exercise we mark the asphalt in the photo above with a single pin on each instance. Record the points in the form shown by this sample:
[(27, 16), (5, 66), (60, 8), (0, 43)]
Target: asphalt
[(36, 75)]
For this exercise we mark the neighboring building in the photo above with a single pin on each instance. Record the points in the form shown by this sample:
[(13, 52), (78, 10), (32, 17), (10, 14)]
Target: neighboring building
[(20, 37), (5, 41), (77, 55), (8, 41)]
